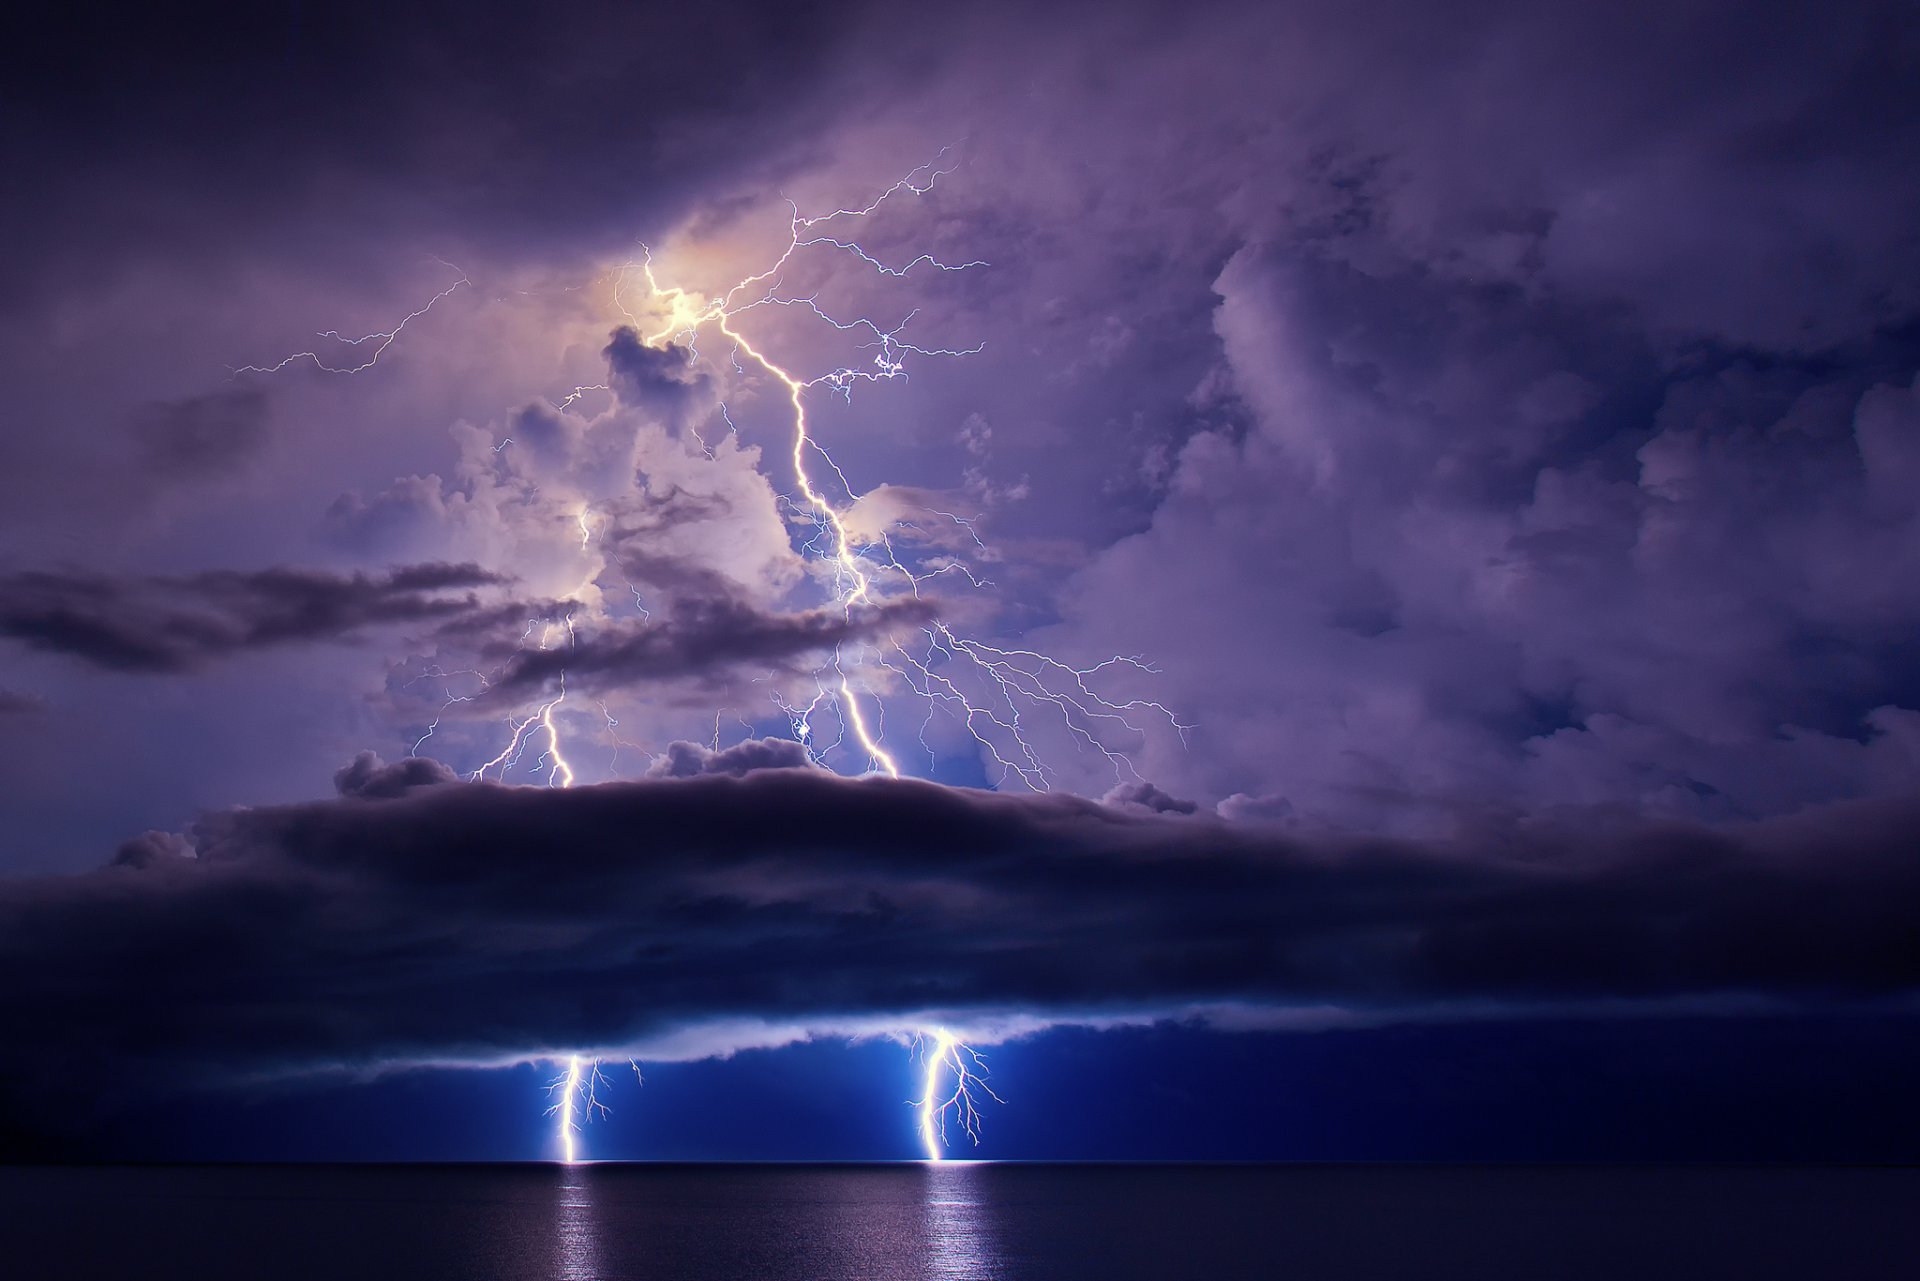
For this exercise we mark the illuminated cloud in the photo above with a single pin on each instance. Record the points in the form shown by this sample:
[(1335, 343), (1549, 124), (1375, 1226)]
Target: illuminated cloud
[(368, 776), (691, 760)]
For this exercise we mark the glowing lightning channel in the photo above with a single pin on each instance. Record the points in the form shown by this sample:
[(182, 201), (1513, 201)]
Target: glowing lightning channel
[(576, 1099), (576, 1096), (1011, 678), (559, 771), (576, 1090), (569, 1095), (382, 338), (686, 316), (960, 1099)]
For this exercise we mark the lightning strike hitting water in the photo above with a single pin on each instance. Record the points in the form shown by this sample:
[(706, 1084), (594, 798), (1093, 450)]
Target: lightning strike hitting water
[(576, 1098), (955, 1082)]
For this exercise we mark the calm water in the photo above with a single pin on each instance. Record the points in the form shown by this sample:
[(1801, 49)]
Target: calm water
[(906, 1222)]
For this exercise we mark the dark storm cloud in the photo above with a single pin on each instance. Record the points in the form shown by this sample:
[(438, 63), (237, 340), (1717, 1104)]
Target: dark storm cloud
[(201, 435), (424, 116), (150, 849), (674, 579), (367, 775), (701, 636), (158, 624), (12, 704), (417, 918), (1145, 796), (663, 377)]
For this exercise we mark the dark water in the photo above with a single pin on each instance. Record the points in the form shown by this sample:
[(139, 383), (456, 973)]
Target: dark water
[(906, 1222)]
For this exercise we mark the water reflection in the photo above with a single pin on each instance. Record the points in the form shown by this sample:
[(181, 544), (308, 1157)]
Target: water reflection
[(960, 1244), (576, 1226)]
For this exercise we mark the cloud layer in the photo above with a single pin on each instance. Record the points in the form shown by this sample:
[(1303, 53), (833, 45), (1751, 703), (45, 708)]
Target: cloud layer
[(164, 624), (420, 919)]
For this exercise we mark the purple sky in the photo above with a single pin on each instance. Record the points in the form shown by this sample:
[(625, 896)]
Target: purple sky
[(1497, 427)]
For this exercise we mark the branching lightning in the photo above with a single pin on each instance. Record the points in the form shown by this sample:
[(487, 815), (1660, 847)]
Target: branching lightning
[(576, 1100), (559, 769), (953, 1086), (1010, 682)]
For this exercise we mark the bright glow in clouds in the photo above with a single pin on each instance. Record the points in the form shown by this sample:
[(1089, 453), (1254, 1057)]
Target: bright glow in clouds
[(991, 692), (686, 317), (984, 687)]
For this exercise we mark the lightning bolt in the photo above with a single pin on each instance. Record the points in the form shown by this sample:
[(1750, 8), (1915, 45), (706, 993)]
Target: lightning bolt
[(576, 1099), (575, 1095), (559, 770), (1009, 682), (855, 587), (954, 1084), (381, 338)]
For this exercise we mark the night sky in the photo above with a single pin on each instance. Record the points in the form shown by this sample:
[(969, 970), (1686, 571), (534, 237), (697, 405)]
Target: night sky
[(1349, 590)]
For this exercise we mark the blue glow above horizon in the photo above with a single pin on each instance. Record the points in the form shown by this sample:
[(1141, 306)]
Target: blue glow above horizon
[(1649, 1089)]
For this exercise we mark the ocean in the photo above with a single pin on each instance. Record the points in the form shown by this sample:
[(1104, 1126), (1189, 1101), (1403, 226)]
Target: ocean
[(1004, 1222)]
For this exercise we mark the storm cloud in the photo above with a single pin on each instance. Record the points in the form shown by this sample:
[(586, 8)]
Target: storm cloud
[(1467, 457), (419, 919), (169, 625)]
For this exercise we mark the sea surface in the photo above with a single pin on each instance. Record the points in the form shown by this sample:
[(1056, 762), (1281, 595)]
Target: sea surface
[(959, 1220)]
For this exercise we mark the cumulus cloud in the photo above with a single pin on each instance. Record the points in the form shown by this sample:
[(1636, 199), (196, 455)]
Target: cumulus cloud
[(457, 922), (370, 777), (692, 760), (169, 624), (663, 376), (586, 500), (1145, 796), (1408, 593)]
